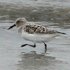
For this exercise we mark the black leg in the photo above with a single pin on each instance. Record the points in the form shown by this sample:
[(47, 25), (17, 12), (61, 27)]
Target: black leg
[(45, 46), (29, 45)]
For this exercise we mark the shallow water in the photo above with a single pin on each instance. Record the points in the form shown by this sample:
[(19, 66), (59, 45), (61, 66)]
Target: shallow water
[(55, 14)]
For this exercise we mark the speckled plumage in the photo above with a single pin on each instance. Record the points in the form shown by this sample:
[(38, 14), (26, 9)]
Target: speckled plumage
[(38, 29)]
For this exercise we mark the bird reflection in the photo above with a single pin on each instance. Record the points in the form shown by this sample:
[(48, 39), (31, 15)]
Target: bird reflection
[(35, 61)]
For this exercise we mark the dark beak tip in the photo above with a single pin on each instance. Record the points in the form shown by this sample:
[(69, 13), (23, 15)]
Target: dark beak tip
[(8, 28)]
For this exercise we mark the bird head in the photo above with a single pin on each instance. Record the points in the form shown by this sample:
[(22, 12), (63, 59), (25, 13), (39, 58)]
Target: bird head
[(19, 22)]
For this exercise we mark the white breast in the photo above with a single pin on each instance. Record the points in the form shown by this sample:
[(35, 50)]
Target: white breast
[(38, 37)]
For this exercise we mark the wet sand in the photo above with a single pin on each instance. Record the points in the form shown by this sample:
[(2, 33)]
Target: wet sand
[(13, 57)]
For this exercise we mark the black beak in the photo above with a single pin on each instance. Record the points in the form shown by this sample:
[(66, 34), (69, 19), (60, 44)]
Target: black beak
[(12, 26)]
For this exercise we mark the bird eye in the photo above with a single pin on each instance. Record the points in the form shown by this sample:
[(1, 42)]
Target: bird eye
[(18, 22)]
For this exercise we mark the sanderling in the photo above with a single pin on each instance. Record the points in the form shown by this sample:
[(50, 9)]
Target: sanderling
[(35, 32)]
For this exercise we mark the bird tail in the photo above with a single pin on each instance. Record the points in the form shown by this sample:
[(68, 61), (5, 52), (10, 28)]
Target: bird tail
[(62, 33)]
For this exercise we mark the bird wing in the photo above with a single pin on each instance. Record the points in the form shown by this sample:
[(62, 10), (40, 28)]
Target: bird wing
[(39, 29)]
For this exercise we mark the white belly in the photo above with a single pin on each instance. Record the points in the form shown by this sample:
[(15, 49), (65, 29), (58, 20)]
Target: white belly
[(38, 37)]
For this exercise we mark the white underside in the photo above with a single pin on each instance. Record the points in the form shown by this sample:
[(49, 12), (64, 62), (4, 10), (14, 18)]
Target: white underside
[(38, 37)]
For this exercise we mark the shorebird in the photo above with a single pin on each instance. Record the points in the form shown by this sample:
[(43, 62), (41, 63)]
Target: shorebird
[(34, 32)]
